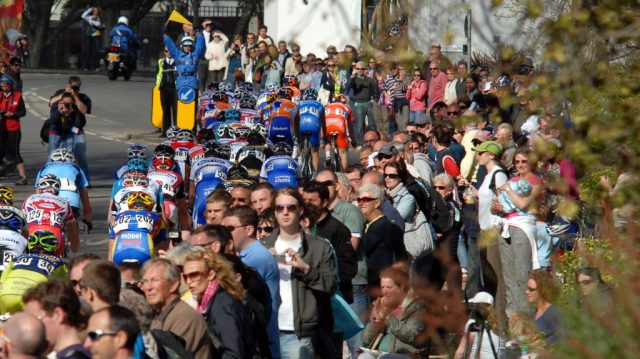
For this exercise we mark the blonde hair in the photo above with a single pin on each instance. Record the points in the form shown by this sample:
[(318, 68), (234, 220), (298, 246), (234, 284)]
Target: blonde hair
[(521, 324), (223, 269)]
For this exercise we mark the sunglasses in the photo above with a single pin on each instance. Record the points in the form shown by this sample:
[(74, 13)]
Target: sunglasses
[(433, 68), (449, 113), (384, 157), (440, 187), (327, 183), (532, 289), (233, 228), (360, 68), (520, 161), (279, 208), (365, 199), (391, 175), (463, 107), (95, 335), (267, 229), (331, 65), (192, 276)]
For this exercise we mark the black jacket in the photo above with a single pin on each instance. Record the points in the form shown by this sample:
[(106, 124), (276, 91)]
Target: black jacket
[(228, 319), (312, 291)]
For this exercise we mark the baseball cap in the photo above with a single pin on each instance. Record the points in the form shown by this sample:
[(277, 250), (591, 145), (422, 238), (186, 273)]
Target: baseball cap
[(489, 146), (388, 149), (482, 297)]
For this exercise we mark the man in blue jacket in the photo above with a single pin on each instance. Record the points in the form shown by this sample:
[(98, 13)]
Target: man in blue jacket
[(127, 39), (186, 58)]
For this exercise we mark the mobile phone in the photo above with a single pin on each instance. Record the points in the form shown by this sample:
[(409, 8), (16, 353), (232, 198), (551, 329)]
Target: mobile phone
[(280, 258)]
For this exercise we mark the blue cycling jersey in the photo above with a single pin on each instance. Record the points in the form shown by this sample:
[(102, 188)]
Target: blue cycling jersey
[(209, 165), (278, 164), (280, 130), (206, 182), (72, 180), (311, 114), (136, 232)]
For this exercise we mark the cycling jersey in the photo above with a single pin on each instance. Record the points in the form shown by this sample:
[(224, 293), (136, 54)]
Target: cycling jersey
[(284, 105), (196, 153), (281, 128), (249, 117), (209, 165), (337, 116), (12, 244), (172, 189), (311, 114), (46, 212), (24, 272), (136, 234), (206, 181), (182, 149), (236, 146), (252, 158), (279, 164), (72, 180), (120, 193), (212, 112)]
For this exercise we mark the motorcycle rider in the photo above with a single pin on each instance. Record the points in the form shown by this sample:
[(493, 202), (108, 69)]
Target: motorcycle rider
[(122, 35)]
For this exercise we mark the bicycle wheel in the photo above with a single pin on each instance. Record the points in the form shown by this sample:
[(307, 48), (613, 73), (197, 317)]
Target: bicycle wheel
[(307, 171), (337, 166)]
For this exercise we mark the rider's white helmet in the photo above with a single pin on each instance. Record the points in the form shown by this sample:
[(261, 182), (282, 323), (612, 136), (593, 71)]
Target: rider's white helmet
[(123, 20)]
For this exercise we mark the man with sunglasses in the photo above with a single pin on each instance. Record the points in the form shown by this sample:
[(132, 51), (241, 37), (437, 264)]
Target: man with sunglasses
[(112, 333), (364, 91), (307, 279)]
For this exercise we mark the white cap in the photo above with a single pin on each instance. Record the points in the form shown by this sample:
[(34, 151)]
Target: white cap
[(482, 297), (123, 20)]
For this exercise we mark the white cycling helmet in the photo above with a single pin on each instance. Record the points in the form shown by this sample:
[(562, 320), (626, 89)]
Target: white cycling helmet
[(123, 20), (62, 155)]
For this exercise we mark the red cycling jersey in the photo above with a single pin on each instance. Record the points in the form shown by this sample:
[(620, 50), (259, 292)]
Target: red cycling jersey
[(337, 117), (46, 212)]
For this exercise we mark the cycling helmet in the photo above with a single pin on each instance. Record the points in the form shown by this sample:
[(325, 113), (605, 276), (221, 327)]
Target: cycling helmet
[(138, 165), (218, 150), (49, 183), (123, 20), (558, 229), (137, 150), (242, 132), (219, 96), (247, 102), (310, 94), (232, 115), (43, 240), (134, 178), (272, 97), (237, 172), (164, 150), (6, 195), (290, 80), (185, 136), (285, 92), (205, 135), (240, 91), (172, 132), (255, 138), (283, 149), (261, 129), (272, 87), (11, 218), (341, 98), (186, 41), (225, 86), (163, 162), (140, 200), (62, 155)]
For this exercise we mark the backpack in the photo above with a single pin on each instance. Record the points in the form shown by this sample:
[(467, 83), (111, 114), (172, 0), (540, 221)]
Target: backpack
[(170, 346), (432, 205), (492, 184)]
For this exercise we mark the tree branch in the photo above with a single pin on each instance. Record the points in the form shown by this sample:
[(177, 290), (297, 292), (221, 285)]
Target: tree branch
[(72, 17)]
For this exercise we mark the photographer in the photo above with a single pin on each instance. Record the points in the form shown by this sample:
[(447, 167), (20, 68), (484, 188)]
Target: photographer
[(271, 71), (234, 56), (480, 339), (11, 109), (64, 121)]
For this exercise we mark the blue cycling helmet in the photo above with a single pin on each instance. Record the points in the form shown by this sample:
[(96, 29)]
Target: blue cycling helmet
[(232, 115), (138, 165), (11, 218), (247, 101), (310, 94), (137, 150)]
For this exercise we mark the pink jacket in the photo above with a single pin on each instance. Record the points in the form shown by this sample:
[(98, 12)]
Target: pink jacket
[(437, 86), (416, 96)]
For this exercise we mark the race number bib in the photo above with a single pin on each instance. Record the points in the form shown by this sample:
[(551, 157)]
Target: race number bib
[(67, 185)]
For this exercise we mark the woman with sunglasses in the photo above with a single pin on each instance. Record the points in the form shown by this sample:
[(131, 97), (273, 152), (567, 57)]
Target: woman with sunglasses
[(266, 224), (542, 290), (518, 250), (395, 177), (416, 94)]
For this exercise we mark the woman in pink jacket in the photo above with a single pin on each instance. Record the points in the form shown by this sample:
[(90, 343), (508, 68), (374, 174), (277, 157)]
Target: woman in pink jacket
[(416, 93)]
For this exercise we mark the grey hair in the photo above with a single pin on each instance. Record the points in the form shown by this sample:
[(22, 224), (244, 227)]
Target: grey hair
[(343, 180), (375, 191), (171, 272), (138, 304), (445, 179), (178, 253)]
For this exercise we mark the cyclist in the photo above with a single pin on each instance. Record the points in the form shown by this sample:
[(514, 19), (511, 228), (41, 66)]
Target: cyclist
[(174, 196), (207, 174), (253, 155), (73, 182), (338, 119), (46, 211), (183, 143), (134, 151), (280, 170), (137, 231), (291, 82), (12, 243), (285, 102), (281, 128), (27, 270), (312, 122), (134, 181), (6, 196)]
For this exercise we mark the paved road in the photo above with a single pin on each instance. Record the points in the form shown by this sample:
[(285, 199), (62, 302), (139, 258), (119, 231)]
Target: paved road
[(120, 116)]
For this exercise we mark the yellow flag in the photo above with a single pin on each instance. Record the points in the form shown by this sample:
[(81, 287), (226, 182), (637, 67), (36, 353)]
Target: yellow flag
[(177, 17)]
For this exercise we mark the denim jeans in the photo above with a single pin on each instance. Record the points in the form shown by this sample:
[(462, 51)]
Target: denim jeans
[(55, 142), (360, 111), (462, 251), (360, 305), (292, 347), (415, 115), (80, 151)]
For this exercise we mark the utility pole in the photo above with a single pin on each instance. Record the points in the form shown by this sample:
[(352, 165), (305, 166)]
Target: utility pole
[(467, 34)]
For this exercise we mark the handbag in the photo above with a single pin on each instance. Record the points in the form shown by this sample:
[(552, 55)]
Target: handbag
[(417, 235), (345, 320)]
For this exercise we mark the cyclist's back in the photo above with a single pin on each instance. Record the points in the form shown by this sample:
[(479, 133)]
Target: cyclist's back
[(46, 211), (12, 244), (279, 164), (72, 180), (337, 117), (311, 115), (281, 128), (137, 232)]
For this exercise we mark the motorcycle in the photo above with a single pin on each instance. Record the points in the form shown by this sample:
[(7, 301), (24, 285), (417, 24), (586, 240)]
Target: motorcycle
[(117, 62)]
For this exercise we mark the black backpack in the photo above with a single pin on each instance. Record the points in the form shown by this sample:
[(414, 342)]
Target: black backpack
[(170, 346), (432, 205)]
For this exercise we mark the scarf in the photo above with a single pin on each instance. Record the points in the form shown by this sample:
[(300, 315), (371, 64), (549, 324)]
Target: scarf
[(207, 296)]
